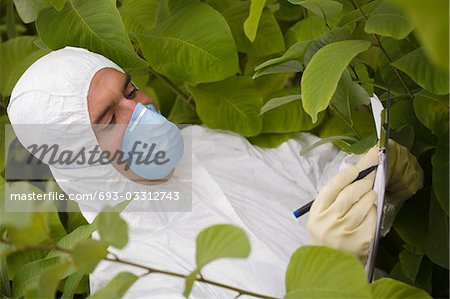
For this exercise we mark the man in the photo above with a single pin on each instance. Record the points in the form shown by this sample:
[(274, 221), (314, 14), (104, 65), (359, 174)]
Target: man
[(85, 101)]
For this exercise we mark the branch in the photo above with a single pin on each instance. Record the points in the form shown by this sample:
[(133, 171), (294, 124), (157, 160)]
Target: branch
[(150, 270), (388, 57), (186, 98)]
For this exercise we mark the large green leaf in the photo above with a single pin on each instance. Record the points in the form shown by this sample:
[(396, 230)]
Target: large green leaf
[(269, 39), (29, 275), (432, 111), (28, 9), (102, 32), (436, 246), (252, 22), (349, 95), (323, 72), (318, 272), (431, 27), (441, 172), (88, 253), (113, 229), (410, 263), (49, 281), (232, 104), (306, 30), (16, 55), (220, 241), (289, 117), (295, 52), (139, 16), (356, 14), (202, 52), (389, 20), (338, 34), (279, 101), (215, 242), (71, 285), (322, 8), (117, 287), (394, 289), (419, 68)]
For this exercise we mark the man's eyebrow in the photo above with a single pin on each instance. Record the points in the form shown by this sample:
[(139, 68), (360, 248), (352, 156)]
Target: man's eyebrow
[(126, 82), (103, 113)]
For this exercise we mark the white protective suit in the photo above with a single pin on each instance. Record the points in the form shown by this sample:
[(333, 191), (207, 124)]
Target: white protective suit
[(232, 182)]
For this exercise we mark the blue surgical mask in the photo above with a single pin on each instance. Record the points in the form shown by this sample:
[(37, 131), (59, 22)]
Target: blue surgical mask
[(152, 144)]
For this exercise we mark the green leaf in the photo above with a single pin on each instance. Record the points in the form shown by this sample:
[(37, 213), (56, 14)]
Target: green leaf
[(16, 55), (410, 263), (315, 272), (295, 52), (270, 140), (194, 54), (320, 80), (102, 32), (232, 104), (432, 111), (329, 37), (189, 283), (251, 23), (269, 39), (290, 117), (57, 4), (28, 277), (362, 145), (34, 233), (417, 66), (182, 113), (221, 241), (389, 20), (306, 30), (276, 102), (356, 15), (436, 246), (71, 285), (28, 9), (349, 95), (291, 66), (87, 254), (431, 27), (5, 287), (139, 16), (325, 141), (322, 8), (112, 228), (390, 288), (117, 287), (72, 239), (49, 280), (440, 172)]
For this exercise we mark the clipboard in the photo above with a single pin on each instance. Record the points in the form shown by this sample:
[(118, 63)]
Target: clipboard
[(381, 118)]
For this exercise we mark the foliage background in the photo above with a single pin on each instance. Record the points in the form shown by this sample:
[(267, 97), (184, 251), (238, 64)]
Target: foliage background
[(265, 69)]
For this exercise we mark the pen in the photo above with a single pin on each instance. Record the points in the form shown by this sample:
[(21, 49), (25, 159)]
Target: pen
[(305, 209)]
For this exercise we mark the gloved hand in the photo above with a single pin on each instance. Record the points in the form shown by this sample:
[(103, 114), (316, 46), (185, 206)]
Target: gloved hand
[(343, 216)]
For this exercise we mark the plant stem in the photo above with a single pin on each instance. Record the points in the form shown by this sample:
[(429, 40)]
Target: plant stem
[(154, 270), (388, 57), (150, 270), (186, 98)]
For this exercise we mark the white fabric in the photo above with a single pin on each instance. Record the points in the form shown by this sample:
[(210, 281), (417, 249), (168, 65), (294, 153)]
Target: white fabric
[(237, 183)]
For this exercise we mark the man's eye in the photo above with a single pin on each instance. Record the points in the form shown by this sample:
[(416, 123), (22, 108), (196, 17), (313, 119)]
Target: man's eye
[(132, 94)]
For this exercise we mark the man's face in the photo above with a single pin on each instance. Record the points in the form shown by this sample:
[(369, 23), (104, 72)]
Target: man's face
[(111, 102)]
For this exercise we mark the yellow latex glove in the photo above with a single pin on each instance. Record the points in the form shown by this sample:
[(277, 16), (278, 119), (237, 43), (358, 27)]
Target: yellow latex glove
[(343, 216)]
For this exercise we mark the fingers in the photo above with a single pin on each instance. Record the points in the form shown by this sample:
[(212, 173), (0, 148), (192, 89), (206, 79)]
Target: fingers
[(368, 228), (334, 186), (351, 195), (358, 212), (369, 159)]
